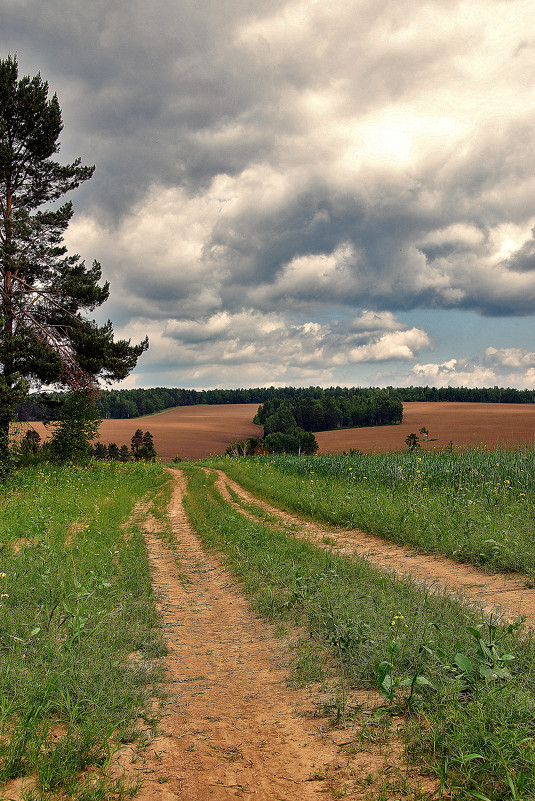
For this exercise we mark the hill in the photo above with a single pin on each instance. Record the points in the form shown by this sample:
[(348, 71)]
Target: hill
[(194, 432)]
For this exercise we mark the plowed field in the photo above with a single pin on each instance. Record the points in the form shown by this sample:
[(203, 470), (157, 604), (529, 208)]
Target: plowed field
[(194, 432), (491, 424)]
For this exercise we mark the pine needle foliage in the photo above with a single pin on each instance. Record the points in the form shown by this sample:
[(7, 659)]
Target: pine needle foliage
[(45, 294)]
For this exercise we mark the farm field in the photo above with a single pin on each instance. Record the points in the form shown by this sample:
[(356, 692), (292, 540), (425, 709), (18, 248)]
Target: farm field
[(466, 424), (195, 432), (191, 432)]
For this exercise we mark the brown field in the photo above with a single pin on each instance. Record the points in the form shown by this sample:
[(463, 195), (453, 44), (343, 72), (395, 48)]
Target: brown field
[(194, 432), (191, 432), (466, 424)]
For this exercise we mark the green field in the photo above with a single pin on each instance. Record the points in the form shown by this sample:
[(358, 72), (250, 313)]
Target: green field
[(474, 505), (80, 636), (76, 604)]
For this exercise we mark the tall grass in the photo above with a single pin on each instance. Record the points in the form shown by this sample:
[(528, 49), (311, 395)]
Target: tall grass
[(472, 714), (473, 505), (75, 605)]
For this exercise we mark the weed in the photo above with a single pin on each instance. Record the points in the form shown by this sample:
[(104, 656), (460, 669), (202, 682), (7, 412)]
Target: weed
[(394, 687)]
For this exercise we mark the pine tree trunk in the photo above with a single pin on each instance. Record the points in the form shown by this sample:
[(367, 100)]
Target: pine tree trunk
[(6, 460)]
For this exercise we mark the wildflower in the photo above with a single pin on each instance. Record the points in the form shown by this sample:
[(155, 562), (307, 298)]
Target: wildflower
[(2, 575)]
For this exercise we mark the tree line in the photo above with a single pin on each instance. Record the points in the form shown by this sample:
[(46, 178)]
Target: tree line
[(123, 404), (467, 394), (131, 403), (359, 407)]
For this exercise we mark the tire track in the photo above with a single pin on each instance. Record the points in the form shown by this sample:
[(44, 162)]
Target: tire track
[(233, 727), (497, 593)]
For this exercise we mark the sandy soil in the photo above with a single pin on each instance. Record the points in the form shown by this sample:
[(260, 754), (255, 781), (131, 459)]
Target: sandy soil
[(233, 728)]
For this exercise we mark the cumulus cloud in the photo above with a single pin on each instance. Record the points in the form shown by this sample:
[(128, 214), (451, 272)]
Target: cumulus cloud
[(266, 169), (455, 372), (250, 344), (510, 358), (506, 367), (396, 345)]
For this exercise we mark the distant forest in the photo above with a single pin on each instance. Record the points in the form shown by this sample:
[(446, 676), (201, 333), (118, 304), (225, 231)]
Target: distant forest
[(130, 403), (354, 409)]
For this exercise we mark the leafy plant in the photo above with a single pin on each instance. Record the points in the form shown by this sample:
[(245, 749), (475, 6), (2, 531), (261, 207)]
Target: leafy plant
[(489, 665), (392, 687)]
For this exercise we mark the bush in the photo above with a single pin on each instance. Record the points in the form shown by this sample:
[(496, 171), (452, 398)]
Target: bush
[(244, 447), (77, 426), (296, 440)]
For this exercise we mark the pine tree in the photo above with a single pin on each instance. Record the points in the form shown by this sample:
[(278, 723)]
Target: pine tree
[(100, 451), (148, 442), (45, 294), (113, 451), (137, 440)]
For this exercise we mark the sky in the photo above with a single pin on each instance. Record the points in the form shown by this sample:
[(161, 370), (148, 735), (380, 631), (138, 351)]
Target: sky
[(301, 192)]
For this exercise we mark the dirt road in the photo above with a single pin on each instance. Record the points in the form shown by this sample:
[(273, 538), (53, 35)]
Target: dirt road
[(233, 727), (503, 594)]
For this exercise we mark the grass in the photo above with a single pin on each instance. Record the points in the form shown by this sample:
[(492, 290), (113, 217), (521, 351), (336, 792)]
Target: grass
[(475, 505), (79, 631), (468, 692)]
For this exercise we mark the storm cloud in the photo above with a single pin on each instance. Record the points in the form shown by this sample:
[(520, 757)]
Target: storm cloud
[(284, 189)]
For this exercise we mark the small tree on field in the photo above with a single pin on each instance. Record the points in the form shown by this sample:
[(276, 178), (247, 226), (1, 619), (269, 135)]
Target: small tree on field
[(148, 443), (424, 432), (142, 446), (31, 441), (143, 454), (412, 442), (124, 453), (75, 430), (113, 451), (100, 451), (137, 440)]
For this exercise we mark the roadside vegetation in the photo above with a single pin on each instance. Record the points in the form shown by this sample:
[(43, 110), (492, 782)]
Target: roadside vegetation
[(79, 631), (472, 505), (462, 688)]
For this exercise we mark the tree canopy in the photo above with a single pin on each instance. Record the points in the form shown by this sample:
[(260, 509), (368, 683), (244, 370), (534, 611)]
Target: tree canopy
[(46, 336)]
